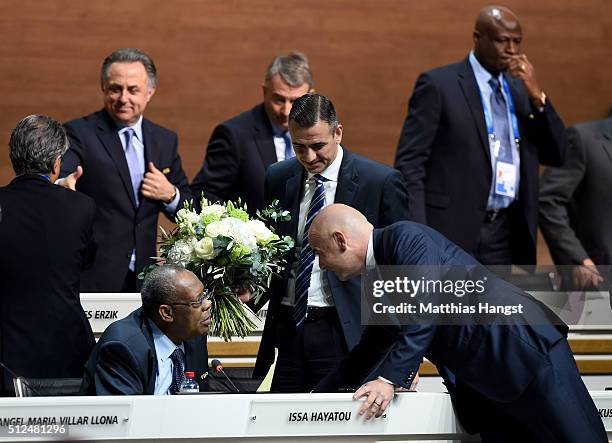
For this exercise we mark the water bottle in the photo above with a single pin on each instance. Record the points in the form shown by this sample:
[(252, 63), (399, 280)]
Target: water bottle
[(189, 385)]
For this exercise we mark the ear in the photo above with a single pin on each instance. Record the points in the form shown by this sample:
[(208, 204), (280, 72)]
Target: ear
[(475, 38), (340, 241), (166, 313), (150, 93), (338, 133), (264, 89)]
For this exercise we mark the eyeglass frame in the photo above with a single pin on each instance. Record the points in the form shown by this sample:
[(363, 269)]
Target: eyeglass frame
[(206, 295)]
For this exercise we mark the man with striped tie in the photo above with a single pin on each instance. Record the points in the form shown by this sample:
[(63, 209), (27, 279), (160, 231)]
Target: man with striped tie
[(314, 318)]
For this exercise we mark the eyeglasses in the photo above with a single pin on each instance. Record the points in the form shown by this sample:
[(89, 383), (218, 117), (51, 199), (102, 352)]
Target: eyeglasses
[(206, 295)]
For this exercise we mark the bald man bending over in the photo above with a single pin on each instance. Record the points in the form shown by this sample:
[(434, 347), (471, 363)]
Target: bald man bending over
[(511, 382)]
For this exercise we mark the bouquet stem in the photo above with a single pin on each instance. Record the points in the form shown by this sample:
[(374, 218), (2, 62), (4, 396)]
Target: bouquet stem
[(230, 317)]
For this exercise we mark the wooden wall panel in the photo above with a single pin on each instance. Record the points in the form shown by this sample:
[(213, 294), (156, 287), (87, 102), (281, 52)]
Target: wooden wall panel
[(211, 56)]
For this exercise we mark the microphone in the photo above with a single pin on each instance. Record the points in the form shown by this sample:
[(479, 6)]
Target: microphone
[(21, 379), (218, 367)]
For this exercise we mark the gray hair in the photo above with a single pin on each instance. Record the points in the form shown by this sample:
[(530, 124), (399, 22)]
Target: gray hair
[(36, 142), (129, 55), (159, 287), (293, 69)]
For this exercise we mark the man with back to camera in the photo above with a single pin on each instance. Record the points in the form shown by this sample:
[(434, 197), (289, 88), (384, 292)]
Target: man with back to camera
[(313, 318), (149, 351), (470, 148), (576, 206), (130, 167), (241, 148), (46, 233), (510, 379)]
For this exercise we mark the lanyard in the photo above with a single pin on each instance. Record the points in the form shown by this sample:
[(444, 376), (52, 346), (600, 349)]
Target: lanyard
[(489, 119)]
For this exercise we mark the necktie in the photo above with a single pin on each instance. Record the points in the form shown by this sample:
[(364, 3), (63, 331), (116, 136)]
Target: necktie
[(178, 370), (499, 113), (288, 146), (136, 169), (307, 255)]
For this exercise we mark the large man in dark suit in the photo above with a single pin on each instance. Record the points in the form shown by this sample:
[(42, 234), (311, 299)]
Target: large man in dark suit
[(241, 148), (148, 351), (472, 141), (313, 318), (576, 206), (130, 167), (511, 378), (46, 233)]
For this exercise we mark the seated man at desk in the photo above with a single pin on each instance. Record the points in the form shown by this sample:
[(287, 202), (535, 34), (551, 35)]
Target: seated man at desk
[(149, 351)]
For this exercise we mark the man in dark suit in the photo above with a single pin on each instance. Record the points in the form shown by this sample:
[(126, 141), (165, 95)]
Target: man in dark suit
[(471, 144), (576, 207), (130, 167), (148, 351), (511, 377), (241, 148), (46, 233), (313, 318)]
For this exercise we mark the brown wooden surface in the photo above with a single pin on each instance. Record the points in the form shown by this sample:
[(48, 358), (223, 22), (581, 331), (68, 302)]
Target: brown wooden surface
[(580, 347), (211, 56)]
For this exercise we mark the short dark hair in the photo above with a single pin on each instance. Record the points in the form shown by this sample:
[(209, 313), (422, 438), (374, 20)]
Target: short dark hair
[(159, 288), (129, 55), (293, 68), (312, 108), (36, 142)]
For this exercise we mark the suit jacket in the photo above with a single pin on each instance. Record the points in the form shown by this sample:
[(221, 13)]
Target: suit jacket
[(124, 361), (372, 188), (46, 233), (120, 225), (575, 202), (238, 153), (497, 360), (443, 154)]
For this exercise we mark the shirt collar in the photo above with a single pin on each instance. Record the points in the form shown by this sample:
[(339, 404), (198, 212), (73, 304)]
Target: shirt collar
[(164, 347), (482, 75), (333, 170), (277, 131), (137, 127), (370, 260)]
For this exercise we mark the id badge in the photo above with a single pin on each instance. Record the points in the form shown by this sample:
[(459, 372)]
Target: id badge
[(505, 180)]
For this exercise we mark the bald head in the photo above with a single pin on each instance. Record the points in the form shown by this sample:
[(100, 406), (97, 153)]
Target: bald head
[(497, 38), (340, 235)]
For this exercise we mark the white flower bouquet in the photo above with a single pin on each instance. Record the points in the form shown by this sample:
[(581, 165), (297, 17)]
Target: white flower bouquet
[(228, 250)]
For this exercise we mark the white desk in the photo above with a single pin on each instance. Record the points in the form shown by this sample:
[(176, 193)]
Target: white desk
[(244, 417)]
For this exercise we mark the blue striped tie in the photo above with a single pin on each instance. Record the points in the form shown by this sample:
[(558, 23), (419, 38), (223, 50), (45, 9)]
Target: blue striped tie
[(307, 255)]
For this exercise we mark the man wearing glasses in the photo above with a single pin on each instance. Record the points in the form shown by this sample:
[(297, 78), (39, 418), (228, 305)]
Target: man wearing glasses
[(149, 351)]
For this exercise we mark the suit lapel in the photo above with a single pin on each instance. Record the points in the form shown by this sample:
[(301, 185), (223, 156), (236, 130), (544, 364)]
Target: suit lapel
[(263, 136), (293, 195), (107, 133), (348, 181), (470, 90), (146, 330), (606, 134)]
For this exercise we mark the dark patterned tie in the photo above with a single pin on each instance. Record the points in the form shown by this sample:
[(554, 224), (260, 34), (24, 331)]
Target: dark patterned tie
[(499, 113), (288, 146), (307, 255), (178, 370)]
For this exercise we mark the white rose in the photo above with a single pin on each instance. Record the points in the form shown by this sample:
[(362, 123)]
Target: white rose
[(260, 231), (204, 249), (242, 234), (217, 228), (213, 210), (181, 253)]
